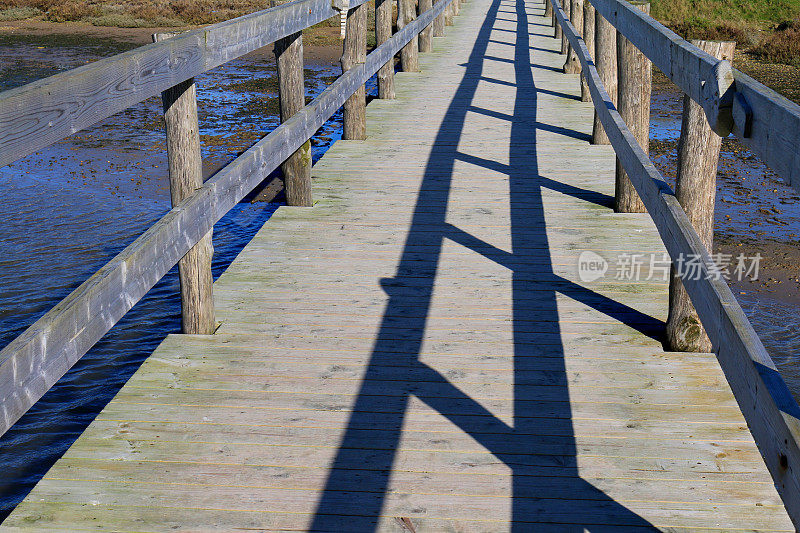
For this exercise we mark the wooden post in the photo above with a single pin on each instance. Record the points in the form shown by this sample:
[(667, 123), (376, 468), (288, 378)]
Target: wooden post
[(698, 157), (588, 38), (355, 52), (185, 177), (291, 96), (573, 64), (635, 75), (438, 23), (559, 32), (425, 36), (409, 55), (548, 10), (566, 5), (456, 7), (448, 15), (606, 62), (383, 32)]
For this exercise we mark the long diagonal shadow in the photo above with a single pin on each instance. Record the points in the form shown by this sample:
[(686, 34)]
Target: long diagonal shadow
[(539, 446)]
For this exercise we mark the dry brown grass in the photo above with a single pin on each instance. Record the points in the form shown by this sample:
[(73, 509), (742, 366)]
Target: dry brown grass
[(757, 26), (783, 46), (133, 13)]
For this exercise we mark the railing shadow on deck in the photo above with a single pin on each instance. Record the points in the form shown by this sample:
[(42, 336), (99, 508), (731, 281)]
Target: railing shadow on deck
[(539, 447)]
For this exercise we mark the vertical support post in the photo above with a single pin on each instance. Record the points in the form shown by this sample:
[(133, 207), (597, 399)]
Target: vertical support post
[(573, 64), (548, 10), (635, 76), (438, 23), (185, 177), (425, 36), (383, 32), (606, 62), (588, 38), (559, 32), (291, 96), (409, 55), (448, 15), (355, 52), (698, 157), (456, 7), (566, 5)]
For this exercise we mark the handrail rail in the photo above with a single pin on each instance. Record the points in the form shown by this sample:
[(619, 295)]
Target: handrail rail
[(41, 113), (766, 402), (764, 121), (35, 360)]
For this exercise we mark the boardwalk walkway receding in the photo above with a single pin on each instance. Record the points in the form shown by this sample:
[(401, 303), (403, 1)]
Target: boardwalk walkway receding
[(417, 353)]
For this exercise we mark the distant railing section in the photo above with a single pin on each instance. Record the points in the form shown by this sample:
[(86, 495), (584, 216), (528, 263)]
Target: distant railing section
[(765, 122), (41, 113)]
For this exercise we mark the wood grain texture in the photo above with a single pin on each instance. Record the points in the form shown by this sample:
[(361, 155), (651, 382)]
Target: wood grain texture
[(704, 78), (774, 130), (38, 114), (589, 27), (426, 35), (409, 55), (696, 191), (355, 53), (383, 32), (573, 65), (431, 359), (566, 5), (438, 24), (185, 163), (34, 361), (769, 408), (634, 75), (606, 62), (292, 97)]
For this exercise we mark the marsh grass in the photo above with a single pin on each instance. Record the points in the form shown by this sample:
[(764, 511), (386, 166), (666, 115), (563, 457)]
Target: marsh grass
[(19, 13), (762, 27), (757, 26), (782, 46)]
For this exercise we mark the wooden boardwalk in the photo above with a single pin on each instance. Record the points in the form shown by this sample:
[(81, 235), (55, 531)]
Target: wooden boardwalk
[(417, 352)]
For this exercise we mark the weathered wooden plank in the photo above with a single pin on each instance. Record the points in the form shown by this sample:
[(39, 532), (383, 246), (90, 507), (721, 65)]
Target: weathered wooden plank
[(369, 363), (38, 114), (292, 97), (766, 402), (185, 176), (766, 122), (354, 53), (696, 190), (35, 360)]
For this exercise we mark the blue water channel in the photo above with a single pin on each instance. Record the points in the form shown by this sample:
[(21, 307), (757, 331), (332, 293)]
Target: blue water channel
[(68, 209)]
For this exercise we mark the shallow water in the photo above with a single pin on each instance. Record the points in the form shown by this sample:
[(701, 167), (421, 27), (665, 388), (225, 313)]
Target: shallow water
[(752, 201), (70, 208), (753, 204)]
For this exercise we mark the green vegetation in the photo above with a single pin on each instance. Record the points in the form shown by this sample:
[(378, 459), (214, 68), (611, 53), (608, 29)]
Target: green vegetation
[(18, 13), (770, 29)]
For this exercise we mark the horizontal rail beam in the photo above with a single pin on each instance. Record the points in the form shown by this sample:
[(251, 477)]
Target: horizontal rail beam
[(36, 115), (767, 123), (766, 403), (35, 360)]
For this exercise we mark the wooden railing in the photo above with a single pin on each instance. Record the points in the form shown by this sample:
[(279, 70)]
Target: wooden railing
[(769, 125), (41, 113)]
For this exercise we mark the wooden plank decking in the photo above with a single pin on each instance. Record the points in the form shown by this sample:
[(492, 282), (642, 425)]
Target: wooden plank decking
[(417, 351)]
